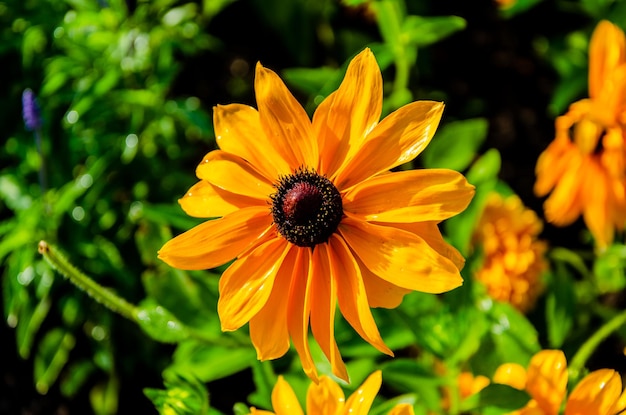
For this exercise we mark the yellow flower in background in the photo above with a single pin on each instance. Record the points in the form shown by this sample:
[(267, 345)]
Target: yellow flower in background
[(327, 398), (313, 216), (598, 393), (513, 255), (583, 168)]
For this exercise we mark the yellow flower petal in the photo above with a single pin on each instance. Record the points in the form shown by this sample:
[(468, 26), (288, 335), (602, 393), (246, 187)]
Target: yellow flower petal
[(268, 330), (546, 380), (399, 138), (299, 310), (429, 231), (344, 118), (323, 300), (284, 121), (234, 174), (325, 398), (284, 400), (402, 409), (238, 131), (512, 374), (380, 293), (204, 200), (246, 285), (597, 394), (216, 242), (410, 196), (400, 257), (607, 50), (597, 215), (360, 401), (352, 295)]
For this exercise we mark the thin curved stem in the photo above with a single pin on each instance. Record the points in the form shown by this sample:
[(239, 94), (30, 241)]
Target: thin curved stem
[(587, 349)]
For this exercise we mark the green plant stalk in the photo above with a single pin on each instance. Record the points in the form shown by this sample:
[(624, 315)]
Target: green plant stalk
[(99, 293), (585, 351)]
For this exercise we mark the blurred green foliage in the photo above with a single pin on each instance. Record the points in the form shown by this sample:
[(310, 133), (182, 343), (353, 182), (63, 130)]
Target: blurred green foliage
[(119, 144)]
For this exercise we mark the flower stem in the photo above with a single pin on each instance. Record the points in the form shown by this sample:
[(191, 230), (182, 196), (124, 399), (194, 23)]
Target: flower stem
[(99, 293), (587, 349)]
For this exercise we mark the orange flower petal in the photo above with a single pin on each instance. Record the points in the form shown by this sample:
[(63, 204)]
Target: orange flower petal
[(269, 337), (512, 374), (284, 121), (284, 400), (325, 398), (402, 409), (429, 231), (399, 138), (246, 285), (564, 204), (216, 242), (380, 293), (597, 394), (400, 257), (546, 380), (234, 174), (204, 200), (323, 300), (410, 196), (361, 400), (607, 50), (344, 118), (238, 131), (299, 310), (597, 209), (351, 293)]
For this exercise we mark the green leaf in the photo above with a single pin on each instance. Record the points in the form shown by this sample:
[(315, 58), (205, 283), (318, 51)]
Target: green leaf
[(184, 395), (560, 307), (159, 323), (408, 375), (51, 357), (455, 145), (608, 269), (264, 380), (104, 396), (311, 81), (209, 362), (496, 399), (424, 31)]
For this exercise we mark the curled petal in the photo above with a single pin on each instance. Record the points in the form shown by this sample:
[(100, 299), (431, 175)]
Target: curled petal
[(607, 50), (204, 200), (325, 398), (284, 121), (410, 196), (234, 174), (598, 393), (299, 310), (512, 374), (323, 300), (399, 138), (246, 285), (352, 294), (344, 118), (238, 131), (400, 257), (269, 336), (360, 401), (402, 409), (284, 400), (215, 242), (546, 380)]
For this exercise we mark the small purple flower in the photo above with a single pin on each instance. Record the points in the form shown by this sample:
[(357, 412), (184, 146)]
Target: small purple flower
[(30, 110)]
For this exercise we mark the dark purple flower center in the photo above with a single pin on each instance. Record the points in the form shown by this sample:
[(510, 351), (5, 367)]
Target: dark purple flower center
[(306, 208)]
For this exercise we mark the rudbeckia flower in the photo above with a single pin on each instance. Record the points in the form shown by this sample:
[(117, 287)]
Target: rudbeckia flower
[(583, 168), (328, 398), (313, 216), (513, 256), (598, 393)]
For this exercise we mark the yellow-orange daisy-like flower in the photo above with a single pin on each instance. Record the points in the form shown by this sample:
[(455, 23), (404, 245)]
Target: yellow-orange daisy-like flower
[(327, 398), (513, 255), (313, 216), (583, 168), (598, 393)]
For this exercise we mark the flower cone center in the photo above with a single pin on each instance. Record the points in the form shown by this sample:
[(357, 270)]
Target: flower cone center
[(306, 208)]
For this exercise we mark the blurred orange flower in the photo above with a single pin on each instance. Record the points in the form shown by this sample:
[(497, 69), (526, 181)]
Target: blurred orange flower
[(314, 217), (513, 256), (599, 393), (327, 398), (583, 168)]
